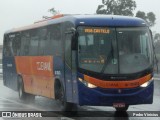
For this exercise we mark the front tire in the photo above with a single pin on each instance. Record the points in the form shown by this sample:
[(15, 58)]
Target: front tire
[(61, 97)]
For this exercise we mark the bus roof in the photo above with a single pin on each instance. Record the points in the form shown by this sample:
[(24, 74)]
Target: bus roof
[(88, 20)]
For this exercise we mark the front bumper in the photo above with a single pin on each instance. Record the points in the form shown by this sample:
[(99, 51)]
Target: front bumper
[(106, 97)]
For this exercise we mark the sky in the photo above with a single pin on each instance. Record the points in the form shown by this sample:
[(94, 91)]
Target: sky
[(18, 13)]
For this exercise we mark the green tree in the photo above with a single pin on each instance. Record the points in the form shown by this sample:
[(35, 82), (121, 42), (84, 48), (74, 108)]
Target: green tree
[(150, 17), (157, 37), (117, 7), (157, 45), (126, 8), (141, 14)]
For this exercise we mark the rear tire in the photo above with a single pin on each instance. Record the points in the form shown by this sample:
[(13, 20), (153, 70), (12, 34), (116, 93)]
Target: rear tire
[(22, 94)]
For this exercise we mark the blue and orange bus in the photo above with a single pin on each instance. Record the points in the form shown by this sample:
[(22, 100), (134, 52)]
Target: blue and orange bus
[(95, 60)]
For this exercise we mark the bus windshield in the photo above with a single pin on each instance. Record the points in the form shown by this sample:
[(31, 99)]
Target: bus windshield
[(114, 50)]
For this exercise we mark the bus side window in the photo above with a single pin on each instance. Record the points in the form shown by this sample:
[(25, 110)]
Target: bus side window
[(43, 38), (16, 44), (34, 41), (8, 51), (25, 43), (54, 46)]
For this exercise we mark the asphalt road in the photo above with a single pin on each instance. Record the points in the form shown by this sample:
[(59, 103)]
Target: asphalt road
[(9, 101)]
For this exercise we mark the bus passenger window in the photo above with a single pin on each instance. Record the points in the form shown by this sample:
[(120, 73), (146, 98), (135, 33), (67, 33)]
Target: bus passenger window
[(33, 45), (25, 38), (43, 38), (54, 42), (8, 51), (16, 44)]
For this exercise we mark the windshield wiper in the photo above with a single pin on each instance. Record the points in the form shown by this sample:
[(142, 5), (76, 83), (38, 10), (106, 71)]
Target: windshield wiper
[(108, 58)]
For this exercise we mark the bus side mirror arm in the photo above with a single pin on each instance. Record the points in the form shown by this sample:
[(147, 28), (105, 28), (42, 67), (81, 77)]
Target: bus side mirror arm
[(74, 38), (74, 42), (71, 31)]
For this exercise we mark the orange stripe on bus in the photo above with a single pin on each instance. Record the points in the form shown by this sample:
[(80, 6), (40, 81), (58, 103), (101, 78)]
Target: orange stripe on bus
[(117, 84), (37, 74), (35, 65)]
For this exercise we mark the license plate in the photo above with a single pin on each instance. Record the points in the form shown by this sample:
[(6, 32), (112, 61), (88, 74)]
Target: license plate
[(118, 105)]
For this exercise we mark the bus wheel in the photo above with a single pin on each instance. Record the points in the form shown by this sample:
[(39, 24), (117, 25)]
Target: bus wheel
[(60, 95), (22, 94), (122, 108)]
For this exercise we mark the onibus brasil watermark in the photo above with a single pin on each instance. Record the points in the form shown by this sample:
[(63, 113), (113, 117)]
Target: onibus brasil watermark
[(20, 114), (37, 114)]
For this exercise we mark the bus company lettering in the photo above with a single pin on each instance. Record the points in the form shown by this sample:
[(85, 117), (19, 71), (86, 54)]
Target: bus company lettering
[(46, 66), (132, 84), (112, 84)]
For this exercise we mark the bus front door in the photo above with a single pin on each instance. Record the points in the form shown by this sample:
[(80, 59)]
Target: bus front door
[(68, 69)]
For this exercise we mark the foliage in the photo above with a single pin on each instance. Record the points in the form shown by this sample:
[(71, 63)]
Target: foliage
[(149, 17), (126, 8), (141, 14), (157, 37), (117, 7)]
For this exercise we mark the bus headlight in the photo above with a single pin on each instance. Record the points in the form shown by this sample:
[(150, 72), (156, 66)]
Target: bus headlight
[(146, 83), (91, 85), (86, 83)]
